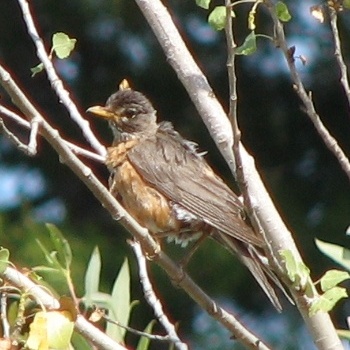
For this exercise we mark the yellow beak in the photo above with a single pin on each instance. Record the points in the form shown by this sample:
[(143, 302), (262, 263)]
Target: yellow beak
[(102, 112)]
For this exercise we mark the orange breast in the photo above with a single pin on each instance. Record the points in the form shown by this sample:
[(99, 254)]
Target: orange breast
[(150, 208)]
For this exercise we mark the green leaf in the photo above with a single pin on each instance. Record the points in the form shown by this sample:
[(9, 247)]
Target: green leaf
[(144, 342), (249, 45), (346, 4), (121, 303), (333, 277), (337, 253), (282, 12), (92, 276), (37, 69), (327, 301), (4, 259), (62, 45), (61, 245), (217, 18), (298, 272), (203, 3)]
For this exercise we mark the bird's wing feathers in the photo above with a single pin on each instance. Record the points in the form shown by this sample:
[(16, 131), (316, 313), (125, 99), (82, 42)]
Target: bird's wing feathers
[(171, 164)]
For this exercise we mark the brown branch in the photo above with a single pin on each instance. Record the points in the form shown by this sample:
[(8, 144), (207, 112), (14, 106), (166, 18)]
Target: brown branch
[(338, 52), (305, 97)]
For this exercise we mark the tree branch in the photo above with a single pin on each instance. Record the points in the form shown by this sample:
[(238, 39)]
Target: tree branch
[(151, 248), (305, 97), (98, 338), (56, 82), (278, 236)]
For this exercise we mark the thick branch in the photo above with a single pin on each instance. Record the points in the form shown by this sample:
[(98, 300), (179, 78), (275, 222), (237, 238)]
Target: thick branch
[(279, 237)]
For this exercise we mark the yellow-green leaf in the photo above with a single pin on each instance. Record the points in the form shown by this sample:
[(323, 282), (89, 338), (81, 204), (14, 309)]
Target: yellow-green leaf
[(217, 18), (249, 45), (282, 11), (62, 44), (333, 277), (120, 309), (203, 3), (50, 330), (4, 259), (37, 69), (327, 301)]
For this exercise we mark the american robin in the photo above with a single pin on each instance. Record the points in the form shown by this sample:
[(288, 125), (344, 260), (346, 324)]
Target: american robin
[(169, 188)]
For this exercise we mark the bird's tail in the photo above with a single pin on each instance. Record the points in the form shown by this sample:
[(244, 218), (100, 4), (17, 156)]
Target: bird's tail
[(257, 265)]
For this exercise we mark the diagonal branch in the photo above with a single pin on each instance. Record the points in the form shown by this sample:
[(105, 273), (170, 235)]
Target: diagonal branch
[(338, 52), (277, 234), (151, 248), (305, 97), (56, 82), (97, 337)]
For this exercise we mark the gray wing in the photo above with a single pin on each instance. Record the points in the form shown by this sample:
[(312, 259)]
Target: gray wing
[(171, 165)]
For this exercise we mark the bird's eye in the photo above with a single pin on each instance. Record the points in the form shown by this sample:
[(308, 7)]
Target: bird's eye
[(130, 112)]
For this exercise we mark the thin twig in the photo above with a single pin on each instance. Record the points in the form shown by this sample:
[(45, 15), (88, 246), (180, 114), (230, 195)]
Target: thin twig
[(305, 97), (338, 52), (14, 139), (153, 300), (56, 82), (156, 337), (22, 122)]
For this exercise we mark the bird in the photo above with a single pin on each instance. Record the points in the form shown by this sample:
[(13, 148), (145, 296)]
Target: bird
[(166, 184)]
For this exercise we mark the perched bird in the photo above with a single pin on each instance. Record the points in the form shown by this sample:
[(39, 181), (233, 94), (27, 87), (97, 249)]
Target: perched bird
[(169, 188)]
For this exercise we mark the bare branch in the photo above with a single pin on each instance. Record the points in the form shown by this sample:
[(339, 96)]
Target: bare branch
[(98, 338), (14, 139), (22, 122), (305, 97), (276, 232), (57, 83), (150, 247), (152, 299), (338, 52)]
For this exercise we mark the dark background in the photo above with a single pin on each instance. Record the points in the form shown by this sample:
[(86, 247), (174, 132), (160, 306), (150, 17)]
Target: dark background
[(114, 42)]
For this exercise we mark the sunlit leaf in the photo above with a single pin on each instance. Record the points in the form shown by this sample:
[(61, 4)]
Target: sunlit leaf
[(203, 3), (333, 277), (62, 45), (121, 303), (282, 12), (337, 253), (37, 69), (4, 259), (92, 275), (217, 18), (327, 301), (249, 45), (50, 330)]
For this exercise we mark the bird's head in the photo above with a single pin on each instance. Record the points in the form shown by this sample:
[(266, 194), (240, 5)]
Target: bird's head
[(129, 113)]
